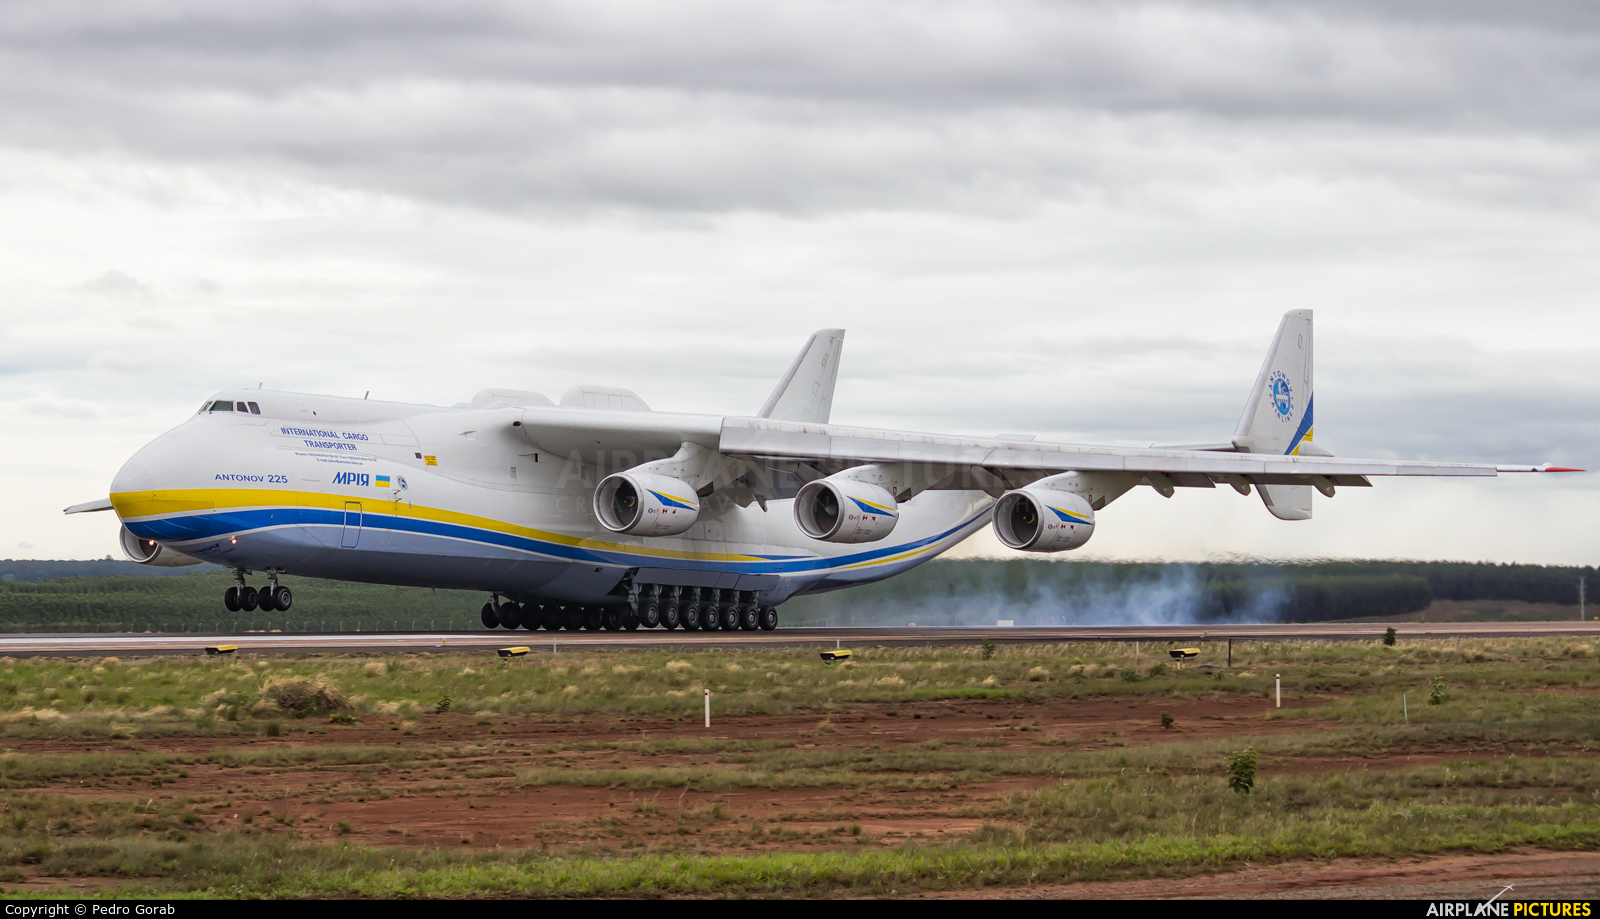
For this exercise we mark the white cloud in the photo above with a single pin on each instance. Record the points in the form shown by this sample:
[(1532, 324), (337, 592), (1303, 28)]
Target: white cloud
[(1075, 219)]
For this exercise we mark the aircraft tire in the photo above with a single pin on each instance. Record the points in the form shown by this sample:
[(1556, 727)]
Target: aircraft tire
[(573, 620), (769, 618), (710, 618), (508, 615), (593, 619), (247, 599), (749, 617), (490, 620), (732, 617), (650, 615), (691, 618), (552, 618), (612, 619), (266, 600), (669, 616), (284, 598), (230, 599)]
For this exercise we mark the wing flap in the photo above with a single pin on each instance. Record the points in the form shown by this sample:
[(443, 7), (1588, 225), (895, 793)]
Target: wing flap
[(840, 445)]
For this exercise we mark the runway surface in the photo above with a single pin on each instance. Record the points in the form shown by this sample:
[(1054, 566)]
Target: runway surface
[(122, 643)]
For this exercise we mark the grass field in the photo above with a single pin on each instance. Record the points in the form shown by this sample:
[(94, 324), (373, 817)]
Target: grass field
[(904, 770)]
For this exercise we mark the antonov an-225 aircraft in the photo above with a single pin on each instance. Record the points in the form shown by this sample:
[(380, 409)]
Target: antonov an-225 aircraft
[(600, 513)]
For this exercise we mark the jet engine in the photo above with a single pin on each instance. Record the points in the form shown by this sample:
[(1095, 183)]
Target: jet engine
[(643, 504), (1043, 520), (150, 552), (837, 509)]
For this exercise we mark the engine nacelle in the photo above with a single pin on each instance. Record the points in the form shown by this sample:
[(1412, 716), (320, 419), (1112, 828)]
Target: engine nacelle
[(644, 504), (150, 552), (843, 510), (1043, 520)]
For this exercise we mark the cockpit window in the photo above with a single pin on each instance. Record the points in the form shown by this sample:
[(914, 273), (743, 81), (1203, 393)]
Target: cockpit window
[(203, 406), (255, 409), (241, 407), (221, 406)]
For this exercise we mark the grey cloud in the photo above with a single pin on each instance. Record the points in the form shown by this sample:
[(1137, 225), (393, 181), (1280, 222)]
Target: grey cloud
[(798, 107)]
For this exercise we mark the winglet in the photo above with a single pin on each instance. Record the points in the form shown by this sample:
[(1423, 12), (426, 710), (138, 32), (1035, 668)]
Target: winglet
[(805, 393)]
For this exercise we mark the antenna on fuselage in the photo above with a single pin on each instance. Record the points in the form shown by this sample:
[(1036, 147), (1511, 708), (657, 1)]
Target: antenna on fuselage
[(369, 392)]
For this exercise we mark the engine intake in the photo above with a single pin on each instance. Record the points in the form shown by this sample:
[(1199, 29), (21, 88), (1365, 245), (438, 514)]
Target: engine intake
[(843, 510), (643, 504), (1043, 520), (150, 552)]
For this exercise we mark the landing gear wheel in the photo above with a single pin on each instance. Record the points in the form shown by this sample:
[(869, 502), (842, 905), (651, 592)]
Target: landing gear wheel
[(552, 618), (669, 616), (266, 600), (769, 618), (710, 618), (630, 619), (507, 614), (490, 620), (592, 619), (572, 619), (530, 616), (731, 617), (613, 619), (651, 614), (691, 618), (230, 599), (247, 599), (749, 617), (285, 599)]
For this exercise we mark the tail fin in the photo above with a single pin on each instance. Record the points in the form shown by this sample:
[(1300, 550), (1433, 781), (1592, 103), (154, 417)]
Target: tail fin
[(1277, 416), (806, 392)]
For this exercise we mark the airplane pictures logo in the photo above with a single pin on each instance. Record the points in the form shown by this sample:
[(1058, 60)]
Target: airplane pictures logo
[(1282, 395)]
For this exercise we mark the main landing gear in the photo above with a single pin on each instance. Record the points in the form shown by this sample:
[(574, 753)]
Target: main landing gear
[(272, 598), (649, 606)]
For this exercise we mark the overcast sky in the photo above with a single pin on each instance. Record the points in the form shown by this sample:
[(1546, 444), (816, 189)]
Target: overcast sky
[(1078, 220)]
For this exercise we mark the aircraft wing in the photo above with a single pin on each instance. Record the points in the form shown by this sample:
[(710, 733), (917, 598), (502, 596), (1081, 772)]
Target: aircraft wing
[(837, 446)]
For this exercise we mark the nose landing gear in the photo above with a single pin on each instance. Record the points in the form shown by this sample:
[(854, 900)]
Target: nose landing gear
[(243, 597)]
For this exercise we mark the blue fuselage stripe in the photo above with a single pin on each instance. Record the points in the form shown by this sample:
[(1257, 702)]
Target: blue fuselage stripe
[(223, 524)]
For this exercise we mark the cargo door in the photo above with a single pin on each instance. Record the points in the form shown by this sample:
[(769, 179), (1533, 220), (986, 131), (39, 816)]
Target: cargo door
[(352, 525)]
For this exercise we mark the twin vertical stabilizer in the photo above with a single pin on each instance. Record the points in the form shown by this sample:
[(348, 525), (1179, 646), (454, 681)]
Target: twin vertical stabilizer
[(805, 394), (1277, 416)]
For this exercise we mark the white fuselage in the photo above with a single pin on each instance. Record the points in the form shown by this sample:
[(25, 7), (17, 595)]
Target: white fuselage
[(498, 498)]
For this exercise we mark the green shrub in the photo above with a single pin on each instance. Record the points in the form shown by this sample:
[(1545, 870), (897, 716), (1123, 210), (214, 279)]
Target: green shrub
[(1388, 636), (988, 649), (1436, 696), (1167, 721), (1242, 771)]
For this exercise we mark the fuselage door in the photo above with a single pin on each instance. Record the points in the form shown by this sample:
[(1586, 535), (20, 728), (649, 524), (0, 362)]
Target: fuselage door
[(352, 525)]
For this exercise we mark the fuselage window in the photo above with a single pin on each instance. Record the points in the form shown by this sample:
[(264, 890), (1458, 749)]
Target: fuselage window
[(255, 409), (221, 406)]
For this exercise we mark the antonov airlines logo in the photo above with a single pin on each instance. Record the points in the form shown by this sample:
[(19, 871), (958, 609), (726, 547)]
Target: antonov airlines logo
[(352, 478)]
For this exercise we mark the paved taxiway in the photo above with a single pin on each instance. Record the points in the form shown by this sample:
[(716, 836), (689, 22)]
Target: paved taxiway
[(122, 643)]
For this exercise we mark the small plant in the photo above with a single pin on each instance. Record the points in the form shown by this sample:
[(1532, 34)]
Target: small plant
[(1242, 771), (1216, 676), (988, 649), (1388, 637), (272, 729), (442, 706), (342, 827), (1436, 696), (341, 718), (1131, 675), (1167, 721)]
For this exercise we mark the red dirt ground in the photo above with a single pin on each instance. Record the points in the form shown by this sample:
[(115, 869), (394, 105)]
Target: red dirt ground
[(470, 797)]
